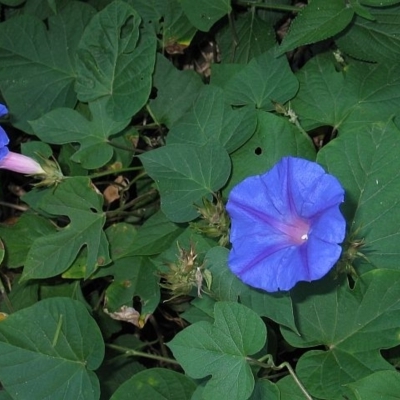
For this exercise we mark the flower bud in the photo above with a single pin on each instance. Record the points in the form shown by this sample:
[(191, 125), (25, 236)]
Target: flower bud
[(185, 274), (49, 172), (215, 221), (22, 164)]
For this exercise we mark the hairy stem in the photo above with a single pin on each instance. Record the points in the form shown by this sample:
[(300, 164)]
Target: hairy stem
[(135, 353), (270, 365)]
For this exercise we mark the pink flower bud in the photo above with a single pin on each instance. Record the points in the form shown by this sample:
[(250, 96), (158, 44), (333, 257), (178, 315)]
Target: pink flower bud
[(22, 164)]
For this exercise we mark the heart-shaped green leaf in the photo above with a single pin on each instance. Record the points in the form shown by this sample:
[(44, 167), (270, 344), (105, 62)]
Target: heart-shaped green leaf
[(64, 125), (220, 350), (184, 174), (156, 384), (115, 62), (26, 46), (353, 325), (367, 164), (57, 341)]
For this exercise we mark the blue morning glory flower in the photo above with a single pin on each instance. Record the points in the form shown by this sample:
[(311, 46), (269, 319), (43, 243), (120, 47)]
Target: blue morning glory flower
[(286, 225)]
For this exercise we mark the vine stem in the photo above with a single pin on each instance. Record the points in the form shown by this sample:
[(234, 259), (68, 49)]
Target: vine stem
[(14, 206), (303, 132), (114, 171), (270, 365), (135, 353), (278, 7), (289, 112), (296, 379)]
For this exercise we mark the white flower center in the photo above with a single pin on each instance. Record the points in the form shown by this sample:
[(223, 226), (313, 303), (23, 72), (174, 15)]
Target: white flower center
[(297, 231)]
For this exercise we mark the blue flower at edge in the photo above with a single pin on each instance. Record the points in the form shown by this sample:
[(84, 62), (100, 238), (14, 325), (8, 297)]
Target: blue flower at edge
[(286, 225), (3, 135)]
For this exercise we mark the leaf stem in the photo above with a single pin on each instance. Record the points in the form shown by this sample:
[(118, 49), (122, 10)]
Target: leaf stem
[(3, 293), (293, 118), (296, 379), (270, 365), (153, 117), (114, 171), (135, 353), (14, 206), (279, 7)]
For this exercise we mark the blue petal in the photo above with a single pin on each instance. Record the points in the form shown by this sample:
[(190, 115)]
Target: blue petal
[(329, 226), (280, 268), (310, 187), (3, 138), (3, 152), (3, 110), (321, 257), (258, 266), (254, 200)]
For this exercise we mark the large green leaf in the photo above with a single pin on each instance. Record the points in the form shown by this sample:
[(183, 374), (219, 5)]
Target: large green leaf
[(49, 351), (382, 384), (53, 254), (22, 295), (156, 384), (18, 238), (151, 12), (64, 125), (250, 38), (263, 81), (379, 3), (178, 31), (184, 174), (367, 164), (318, 21), (227, 287), (120, 236), (212, 119), (154, 236), (37, 71), (116, 370), (265, 389), (274, 138), (289, 390), (353, 325), (133, 276), (359, 95), (203, 14), (176, 91), (201, 309), (220, 350), (115, 62), (377, 40)]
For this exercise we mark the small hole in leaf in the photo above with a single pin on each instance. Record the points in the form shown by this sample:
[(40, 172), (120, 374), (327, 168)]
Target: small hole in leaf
[(322, 135), (258, 151)]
